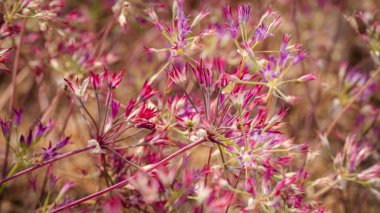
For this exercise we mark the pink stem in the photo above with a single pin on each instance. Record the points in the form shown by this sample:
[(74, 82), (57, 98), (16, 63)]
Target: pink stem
[(45, 163), (12, 100), (124, 182)]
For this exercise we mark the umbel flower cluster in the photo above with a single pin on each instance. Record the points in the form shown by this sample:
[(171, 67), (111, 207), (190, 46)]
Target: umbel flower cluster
[(203, 131)]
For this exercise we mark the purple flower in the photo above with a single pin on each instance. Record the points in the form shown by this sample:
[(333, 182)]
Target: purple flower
[(5, 126), (41, 130), (62, 143), (233, 28), (17, 116), (285, 42), (243, 13), (261, 33), (300, 56), (26, 141), (51, 151)]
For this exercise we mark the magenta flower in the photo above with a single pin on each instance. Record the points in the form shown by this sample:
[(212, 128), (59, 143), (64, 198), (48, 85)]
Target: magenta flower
[(146, 92), (114, 108), (76, 88), (307, 77), (115, 79), (95, 80), (18, 115), (130, 107), (243, 13), (5, 127), (178, 75)]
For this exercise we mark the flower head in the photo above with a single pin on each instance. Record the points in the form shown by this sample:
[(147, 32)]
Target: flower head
[(5, 126), (76, 88)]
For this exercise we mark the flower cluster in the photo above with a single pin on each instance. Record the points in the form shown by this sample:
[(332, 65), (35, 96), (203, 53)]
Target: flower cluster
[(207, 120)]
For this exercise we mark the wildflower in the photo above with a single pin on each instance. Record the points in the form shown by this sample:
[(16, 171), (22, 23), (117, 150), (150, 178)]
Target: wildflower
[(143, 116), (201, 15), (189, 121), (17, 116), (5, 126), (41, 130), (247, 158), (261, 33), (307, 77), (233, 28), (243, 13), (129, 108), (371, 173), (300, 56), (51, 151), (77, 89), (62, 143), (26, 141), (146, 92), (285, 41), (352, 155), (146, 112), (178, 75), (95, 80), (203, 75), (115, 79), (65, 188), (115, 108)]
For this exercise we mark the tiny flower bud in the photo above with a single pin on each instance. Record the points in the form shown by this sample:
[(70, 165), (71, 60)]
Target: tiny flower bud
[(129, 108), (17, 116), (115, 108), (308, 77), (5, 126), (291, 99)]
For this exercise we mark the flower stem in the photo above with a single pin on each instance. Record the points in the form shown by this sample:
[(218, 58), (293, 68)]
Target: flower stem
[(124, 182), (45, 163), (324, 190), (233, 192), (12, 99)]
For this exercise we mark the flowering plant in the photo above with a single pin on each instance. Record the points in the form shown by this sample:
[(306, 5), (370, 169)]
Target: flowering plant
[(200, 117)]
